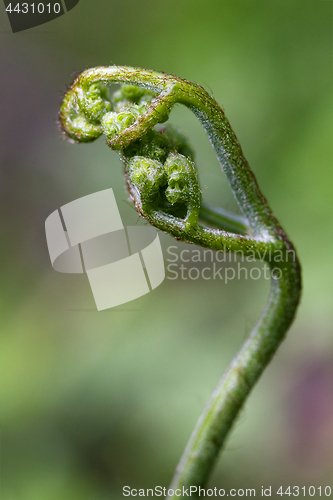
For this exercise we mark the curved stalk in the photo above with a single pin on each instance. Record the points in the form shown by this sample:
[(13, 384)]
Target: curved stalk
[(229, 396), (163, 184), (223, 219)]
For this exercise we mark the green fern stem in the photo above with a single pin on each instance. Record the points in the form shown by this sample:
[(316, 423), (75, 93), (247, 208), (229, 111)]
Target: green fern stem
[(164, 186)]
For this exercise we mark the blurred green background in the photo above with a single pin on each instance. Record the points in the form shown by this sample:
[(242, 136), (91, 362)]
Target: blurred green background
[(91, 401)]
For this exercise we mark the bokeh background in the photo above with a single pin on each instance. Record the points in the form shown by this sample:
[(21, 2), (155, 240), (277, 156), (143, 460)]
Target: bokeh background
[(91, 401)]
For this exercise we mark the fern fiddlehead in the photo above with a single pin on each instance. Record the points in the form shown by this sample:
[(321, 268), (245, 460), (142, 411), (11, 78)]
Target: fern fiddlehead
[(163, 184)]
